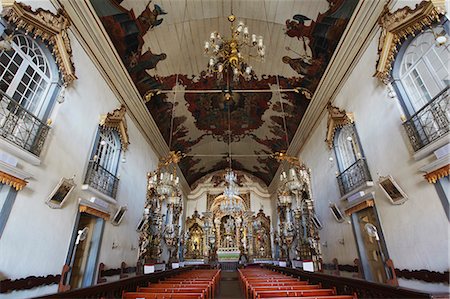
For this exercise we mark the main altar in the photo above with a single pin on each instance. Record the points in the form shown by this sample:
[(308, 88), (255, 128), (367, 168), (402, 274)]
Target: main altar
[(225, 236)]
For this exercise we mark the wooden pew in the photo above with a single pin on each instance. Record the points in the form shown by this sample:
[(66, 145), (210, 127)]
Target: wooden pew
[(320, 297), (255, 289), (175, 289), (140, 295), (299, 293)]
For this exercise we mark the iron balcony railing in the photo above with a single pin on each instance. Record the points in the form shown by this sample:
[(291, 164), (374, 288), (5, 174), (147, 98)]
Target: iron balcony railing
[(101, 179), (429, 123), (354, 176), (20, 126)]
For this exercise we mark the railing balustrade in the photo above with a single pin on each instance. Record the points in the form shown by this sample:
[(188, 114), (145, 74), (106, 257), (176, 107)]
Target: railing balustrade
[(101, 179), (21, 127), (429, 123), (354, 176)]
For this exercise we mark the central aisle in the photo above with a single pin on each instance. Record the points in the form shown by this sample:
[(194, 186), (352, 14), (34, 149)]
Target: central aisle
[(229, 286)]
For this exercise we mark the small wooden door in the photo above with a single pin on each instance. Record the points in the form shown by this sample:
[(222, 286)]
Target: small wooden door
[(371, 251), (85, 260)]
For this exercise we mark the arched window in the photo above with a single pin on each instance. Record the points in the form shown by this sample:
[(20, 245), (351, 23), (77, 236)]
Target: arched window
[(108, 149), (28, 74), (29, 83), (347, 147), (353, 169), (421, 71), (422, 81), (104, 162)]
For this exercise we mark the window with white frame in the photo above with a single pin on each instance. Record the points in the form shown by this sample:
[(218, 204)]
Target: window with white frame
[(104, 162), (422, 71), (27, 75), (347, 147), (107, 150), (422, 80)]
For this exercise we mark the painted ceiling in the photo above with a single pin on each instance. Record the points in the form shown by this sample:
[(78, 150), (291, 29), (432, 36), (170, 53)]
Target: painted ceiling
[(161, 45)]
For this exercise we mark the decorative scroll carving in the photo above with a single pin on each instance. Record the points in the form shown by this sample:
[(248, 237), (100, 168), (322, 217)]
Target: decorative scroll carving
[(49, 27), (397, 26), (361, 206), (424, 275), (337, 118), (30, 282), (12, 181), (437, 174), (116, 120), (94, 212)]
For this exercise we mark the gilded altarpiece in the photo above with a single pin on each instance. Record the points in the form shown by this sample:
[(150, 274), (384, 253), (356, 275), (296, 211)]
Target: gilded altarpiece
[(226, 236), (195, 243), (261, 236)]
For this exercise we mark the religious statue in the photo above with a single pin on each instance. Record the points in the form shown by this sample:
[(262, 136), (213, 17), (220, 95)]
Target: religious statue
[(229, 226)]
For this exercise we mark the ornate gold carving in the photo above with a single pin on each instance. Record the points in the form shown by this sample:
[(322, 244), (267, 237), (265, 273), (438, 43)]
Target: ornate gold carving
[(12, 181), (437, 174), (261, 235), (49, 27), (196, 240), (116, 121), (361, 206), (94, 212), (280, 157), (337, 118), (172, 158), (397, 26)]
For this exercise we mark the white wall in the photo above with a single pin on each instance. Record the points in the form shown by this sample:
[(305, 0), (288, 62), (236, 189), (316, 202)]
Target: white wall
[(416, 233), (36, 238)]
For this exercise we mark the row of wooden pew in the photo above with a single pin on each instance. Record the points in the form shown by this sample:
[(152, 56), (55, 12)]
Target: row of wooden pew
[(263, 283), (194, 284)]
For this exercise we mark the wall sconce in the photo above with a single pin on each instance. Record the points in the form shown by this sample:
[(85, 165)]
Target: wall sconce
[(341, 241), (132, 247), (114, 245), (325, 244)]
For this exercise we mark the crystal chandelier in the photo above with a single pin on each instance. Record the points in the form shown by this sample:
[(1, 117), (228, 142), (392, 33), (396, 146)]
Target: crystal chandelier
[(231, 204), (226, 55), (165, 180)]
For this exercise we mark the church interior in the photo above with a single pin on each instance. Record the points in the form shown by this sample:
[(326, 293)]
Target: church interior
[(224, 148)]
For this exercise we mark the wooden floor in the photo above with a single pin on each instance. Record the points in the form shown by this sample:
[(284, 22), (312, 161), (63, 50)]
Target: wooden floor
[(229, 286)]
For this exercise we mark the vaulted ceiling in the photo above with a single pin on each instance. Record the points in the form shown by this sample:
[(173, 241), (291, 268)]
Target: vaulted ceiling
[(161, 45)]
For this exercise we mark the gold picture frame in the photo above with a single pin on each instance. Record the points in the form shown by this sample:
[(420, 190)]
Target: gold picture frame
[(61, 193), (392, 190)]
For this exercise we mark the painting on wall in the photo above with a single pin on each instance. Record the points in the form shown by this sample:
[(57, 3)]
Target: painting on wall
[(61, 193), (392, 190)]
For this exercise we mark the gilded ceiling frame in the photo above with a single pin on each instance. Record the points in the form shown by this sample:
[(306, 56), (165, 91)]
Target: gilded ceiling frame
[(337, 118), (49, 27), (116, 121), (397, 26)]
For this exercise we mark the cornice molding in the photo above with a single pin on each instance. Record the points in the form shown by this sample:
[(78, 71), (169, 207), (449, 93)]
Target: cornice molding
[(398, 26), (360, 31), (89, 31), (48, 26)]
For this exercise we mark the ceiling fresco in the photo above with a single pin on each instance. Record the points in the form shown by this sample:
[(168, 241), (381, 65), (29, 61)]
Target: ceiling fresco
[(161, 46)]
